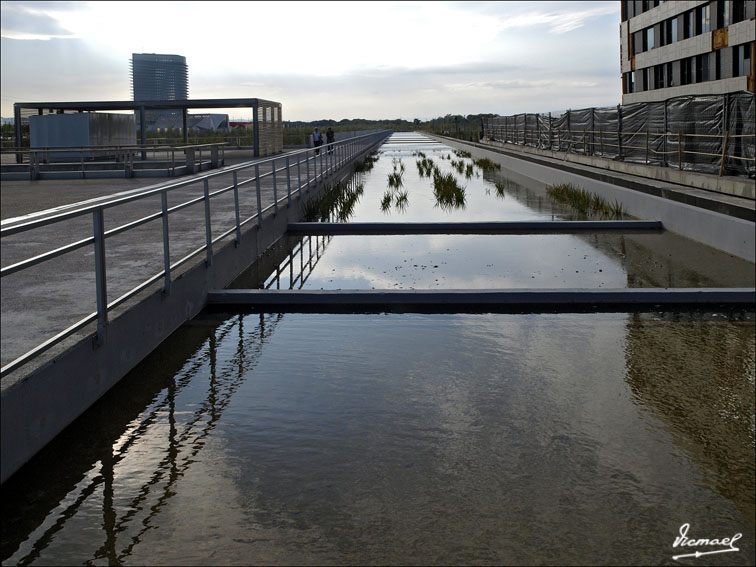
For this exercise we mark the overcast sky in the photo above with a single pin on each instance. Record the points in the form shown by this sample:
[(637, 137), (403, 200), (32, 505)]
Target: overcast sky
[(324, 60)]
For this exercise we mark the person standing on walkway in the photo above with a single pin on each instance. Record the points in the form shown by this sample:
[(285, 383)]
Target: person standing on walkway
[(317, 140), (330, 138)]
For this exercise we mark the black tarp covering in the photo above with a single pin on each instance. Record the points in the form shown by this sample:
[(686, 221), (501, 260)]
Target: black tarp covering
[(691, 129)]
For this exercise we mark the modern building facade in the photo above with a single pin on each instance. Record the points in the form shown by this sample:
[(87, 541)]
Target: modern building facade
[(157, 76), (686, 47)]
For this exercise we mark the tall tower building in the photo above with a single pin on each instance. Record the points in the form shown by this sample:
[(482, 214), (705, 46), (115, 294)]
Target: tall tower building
[(159, 77), (686, 47)]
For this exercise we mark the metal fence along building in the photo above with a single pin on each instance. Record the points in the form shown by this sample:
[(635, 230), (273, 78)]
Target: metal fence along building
[(707, 134)]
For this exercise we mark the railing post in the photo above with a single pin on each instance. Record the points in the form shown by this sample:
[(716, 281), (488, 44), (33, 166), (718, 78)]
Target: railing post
[(259, 199), (236, 209), (208, 230), (299, 174), (679, 150), (288, 182), (166, 247), (275, 189), (100, 277)]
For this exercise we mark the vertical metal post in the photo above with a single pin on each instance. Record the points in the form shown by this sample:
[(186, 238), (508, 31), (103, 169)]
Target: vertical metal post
[(307, 163), (679, 150), (166, 247), (275, 189), (646, 145), (100, 277), (208, 230), (17, 130), (288, 182), (299, 174), (142, 131), (664, 140), (259, 199), (619, 131), (236, 209)]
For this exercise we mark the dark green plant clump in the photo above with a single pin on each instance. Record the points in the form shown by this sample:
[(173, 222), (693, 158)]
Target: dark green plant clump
[(366, 164), (335, 205), (486, 164), (448, 193), (584, 201)]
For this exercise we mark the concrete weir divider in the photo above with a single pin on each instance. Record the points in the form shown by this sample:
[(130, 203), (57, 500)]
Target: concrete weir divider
[(487, 300), (38, 403)]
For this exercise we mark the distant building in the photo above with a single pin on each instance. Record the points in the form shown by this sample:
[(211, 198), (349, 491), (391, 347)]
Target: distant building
[(159, 77), (686, 47)]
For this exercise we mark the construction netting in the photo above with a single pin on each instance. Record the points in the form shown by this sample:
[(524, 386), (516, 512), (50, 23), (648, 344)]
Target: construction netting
[(708, 134)]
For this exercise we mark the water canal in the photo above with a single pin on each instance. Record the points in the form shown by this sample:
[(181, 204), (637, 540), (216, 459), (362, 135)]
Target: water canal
[(419, 439)]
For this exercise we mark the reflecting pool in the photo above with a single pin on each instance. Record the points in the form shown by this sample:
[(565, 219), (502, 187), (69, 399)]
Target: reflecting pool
[(420, 439), (335, 439)]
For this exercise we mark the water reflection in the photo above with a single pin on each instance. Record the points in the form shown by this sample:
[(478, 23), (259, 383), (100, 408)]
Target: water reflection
[(144, 456), (578, 439), (701, 385)]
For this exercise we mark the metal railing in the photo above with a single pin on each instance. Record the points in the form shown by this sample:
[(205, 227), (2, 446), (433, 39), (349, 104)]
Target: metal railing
[(88, 158), (295, 172)]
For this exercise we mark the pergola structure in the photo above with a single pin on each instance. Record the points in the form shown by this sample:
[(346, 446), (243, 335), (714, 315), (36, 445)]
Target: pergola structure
[(262, 111)]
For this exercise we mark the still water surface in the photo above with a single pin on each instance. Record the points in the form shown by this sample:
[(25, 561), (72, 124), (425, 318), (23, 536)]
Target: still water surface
[(412, 439)]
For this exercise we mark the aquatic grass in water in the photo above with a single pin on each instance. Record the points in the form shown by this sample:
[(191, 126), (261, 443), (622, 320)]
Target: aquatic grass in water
[(462, 154), (337, 203), (458, 165), (500, 189), (425, 167), (449, 195), (584, 201), (486, 164), (366, 164), (395, 180)]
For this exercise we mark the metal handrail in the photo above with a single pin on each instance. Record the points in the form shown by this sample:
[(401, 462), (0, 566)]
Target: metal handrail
[(331, 157)]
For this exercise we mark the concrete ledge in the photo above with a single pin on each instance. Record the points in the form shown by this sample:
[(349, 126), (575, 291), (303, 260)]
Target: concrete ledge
[(483, 300), (516, 227)]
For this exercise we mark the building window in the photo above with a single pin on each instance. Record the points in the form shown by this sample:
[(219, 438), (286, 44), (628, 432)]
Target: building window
[(738, 11), (723, 14), (718, 64), (668, 32), (702, 68), (670, 82), (686, 71), (637, 43), (688, 24), (741, 60), (630, 82), (702, 19), (648, 39), (646, 81)]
